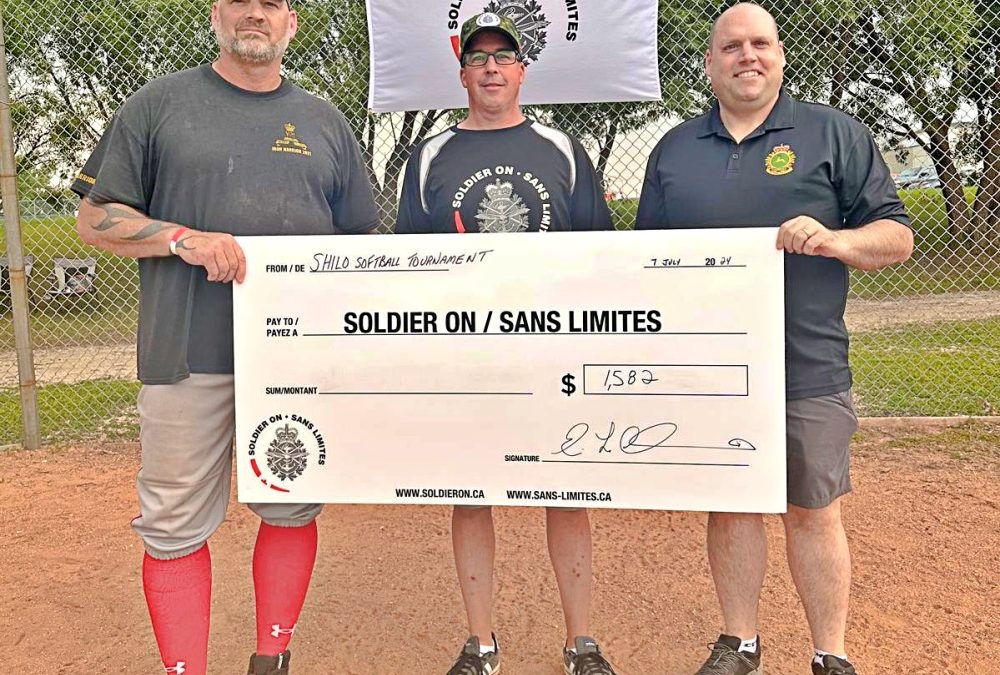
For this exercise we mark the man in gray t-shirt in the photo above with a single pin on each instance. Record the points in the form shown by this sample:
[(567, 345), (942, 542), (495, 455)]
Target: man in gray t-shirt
[(497, 172), (190, 160)]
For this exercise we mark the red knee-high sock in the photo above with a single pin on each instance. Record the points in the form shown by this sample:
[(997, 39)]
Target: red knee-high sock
[(282, 567), (179, 597)]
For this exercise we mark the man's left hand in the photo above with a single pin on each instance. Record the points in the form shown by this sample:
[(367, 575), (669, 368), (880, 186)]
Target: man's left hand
[(808, 236)]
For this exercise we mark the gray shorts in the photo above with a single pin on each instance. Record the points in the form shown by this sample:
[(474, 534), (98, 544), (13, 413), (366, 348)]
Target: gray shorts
[(819, 434), (186, 434)]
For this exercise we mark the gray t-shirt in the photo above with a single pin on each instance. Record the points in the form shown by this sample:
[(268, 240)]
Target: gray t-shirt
[(526, 178), (87, 176), (805, 159), (193, 149)]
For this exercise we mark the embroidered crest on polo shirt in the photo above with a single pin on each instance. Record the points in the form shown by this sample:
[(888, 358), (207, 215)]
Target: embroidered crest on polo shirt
[(290, 144), (781, 161)]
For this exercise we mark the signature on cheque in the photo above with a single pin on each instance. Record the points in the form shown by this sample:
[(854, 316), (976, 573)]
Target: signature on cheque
[(632, 440)]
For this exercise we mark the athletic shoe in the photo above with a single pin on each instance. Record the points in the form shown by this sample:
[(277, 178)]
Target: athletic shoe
[(270, 665), (726, 659), (833, 666), (586, 660), (471, 662)]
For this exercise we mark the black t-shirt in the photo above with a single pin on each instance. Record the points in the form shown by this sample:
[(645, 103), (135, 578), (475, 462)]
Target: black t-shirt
[(526, 178), (806, 159), (193, 149)]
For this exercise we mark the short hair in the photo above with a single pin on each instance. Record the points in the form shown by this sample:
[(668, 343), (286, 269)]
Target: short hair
[(715, 24)]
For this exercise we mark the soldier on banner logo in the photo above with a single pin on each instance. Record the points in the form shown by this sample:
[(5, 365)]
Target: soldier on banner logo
[(497, 172), (530, 22)]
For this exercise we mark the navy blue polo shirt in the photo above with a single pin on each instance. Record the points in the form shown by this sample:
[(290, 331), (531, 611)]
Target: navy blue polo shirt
[(804, 160)]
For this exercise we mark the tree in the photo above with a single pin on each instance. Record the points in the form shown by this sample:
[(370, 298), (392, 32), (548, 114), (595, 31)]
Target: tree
[(903, 69), (984, 94), (919, 56), (906, 69), (72, 64), (330, 57)]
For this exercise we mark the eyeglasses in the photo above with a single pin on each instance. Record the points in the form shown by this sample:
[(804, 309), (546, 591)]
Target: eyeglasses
[(503, 57)]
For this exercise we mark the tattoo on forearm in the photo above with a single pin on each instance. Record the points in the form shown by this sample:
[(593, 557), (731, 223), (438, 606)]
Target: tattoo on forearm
[(114, 216), (153, 228), (188, 243)]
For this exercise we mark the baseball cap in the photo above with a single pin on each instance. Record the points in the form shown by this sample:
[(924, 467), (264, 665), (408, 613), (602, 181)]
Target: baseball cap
[(488, 21)]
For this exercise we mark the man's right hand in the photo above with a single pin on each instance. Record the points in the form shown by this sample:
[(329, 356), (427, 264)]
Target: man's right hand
[(217, 252)]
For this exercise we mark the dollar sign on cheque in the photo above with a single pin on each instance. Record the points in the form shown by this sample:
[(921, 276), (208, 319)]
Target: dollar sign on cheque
[(568, 387)]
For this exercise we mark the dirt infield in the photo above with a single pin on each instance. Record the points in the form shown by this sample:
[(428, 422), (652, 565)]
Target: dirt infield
[(924, 524)]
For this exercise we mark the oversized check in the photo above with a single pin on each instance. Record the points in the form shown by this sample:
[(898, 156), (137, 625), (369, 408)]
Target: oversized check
[(599, 369)]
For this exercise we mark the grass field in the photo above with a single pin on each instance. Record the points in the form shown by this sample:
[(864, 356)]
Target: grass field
[(943, 369), (106, 316), (69, 413)]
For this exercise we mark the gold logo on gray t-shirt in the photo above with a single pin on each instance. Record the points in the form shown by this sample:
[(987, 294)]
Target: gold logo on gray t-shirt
[(290, 144)]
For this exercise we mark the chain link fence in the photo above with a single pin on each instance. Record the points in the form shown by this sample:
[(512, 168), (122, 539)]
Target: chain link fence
[(924, 76)]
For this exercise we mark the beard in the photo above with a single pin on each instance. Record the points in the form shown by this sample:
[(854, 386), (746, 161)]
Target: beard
[(253, 50)]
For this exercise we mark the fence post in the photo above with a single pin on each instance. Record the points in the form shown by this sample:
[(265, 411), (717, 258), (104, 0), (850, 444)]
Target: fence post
[(15, 256)]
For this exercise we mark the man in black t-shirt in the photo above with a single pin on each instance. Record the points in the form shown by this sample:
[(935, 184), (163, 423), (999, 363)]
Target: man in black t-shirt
[(760, 158), (193, 158), (498, 172)]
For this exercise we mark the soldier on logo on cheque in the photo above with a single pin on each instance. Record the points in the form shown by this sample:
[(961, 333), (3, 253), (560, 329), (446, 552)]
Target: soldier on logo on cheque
[(193, 158), (760, 158), (497, 171)]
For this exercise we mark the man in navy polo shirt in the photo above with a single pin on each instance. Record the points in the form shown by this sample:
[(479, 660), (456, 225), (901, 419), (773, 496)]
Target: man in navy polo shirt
[(760, 158)]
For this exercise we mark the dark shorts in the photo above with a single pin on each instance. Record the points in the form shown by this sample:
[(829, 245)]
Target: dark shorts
[(819, 434)]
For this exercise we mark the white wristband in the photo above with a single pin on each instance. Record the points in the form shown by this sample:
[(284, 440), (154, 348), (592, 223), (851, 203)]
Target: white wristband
[(174, 239)]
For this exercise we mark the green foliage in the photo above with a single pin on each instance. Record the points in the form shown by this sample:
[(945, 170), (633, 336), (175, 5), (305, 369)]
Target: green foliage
[(73, 63), (950, 368), (329, 57), (623, 213), (930, 219), (903, 67)]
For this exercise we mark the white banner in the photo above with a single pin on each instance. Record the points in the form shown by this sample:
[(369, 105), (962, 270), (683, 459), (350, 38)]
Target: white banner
[(606, 369), (578, 51)]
